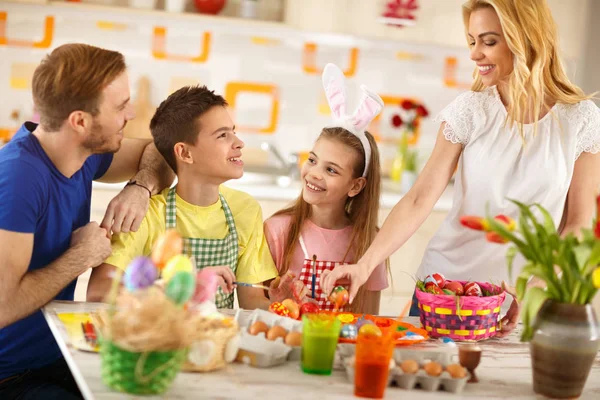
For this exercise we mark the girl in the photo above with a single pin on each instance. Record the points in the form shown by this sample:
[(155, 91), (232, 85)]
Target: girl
[(335, 218), (524, 131)]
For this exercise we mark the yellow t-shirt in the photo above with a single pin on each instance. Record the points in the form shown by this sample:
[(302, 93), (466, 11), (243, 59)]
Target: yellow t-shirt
[(255, 264)]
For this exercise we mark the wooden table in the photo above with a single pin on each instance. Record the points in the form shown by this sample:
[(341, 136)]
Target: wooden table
[(504, 373)]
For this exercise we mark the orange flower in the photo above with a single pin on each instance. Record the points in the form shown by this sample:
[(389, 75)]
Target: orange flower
[(507, 221), (495, 238), (473, 222)]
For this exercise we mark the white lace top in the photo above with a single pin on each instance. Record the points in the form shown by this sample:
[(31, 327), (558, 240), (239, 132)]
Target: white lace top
[(494, 166)]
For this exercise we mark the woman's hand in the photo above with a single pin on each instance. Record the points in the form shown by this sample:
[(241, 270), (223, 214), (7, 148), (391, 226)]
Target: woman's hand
[(356, 274), (511, 319)]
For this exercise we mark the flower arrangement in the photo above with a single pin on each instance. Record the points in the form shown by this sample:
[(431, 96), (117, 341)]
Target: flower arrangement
[(407, 120), (566, 264)]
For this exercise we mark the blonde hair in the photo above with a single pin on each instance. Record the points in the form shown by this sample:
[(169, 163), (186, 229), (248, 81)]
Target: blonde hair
[(362, 209), (538, 74), (72, 78)]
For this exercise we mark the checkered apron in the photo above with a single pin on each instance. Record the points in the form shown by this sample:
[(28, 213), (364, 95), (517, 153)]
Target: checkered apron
[(209, 252), (306, 277)]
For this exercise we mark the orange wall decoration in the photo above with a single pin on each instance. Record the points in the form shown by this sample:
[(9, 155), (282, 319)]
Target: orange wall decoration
[(233, 89), (451, 63), (309, 60), (44, 43), (111, 26), (159, 47)]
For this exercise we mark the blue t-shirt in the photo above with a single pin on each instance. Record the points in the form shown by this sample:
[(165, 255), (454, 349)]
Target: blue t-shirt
[(36, 198)]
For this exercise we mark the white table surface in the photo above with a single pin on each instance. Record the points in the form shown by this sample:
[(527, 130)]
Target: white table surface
[(504, 373)]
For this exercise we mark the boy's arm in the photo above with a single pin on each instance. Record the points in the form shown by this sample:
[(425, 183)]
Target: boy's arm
[(252, 298), (100, 282)]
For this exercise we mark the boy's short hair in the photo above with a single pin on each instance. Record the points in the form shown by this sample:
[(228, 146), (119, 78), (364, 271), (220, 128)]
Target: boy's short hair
[(177, 119)]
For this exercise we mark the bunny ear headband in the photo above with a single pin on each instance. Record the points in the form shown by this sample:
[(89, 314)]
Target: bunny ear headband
[(369, 107)]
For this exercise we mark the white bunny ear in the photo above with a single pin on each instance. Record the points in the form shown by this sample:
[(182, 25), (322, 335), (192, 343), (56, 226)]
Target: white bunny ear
[(369, 107), (334, 84)]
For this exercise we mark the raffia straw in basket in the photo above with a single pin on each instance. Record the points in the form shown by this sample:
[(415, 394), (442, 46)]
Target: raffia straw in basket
[(215, 343)]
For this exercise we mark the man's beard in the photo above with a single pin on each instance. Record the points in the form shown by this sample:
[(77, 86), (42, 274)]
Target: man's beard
[(98, 142)]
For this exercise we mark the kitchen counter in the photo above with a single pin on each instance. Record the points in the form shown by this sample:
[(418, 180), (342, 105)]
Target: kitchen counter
[(504, 373)]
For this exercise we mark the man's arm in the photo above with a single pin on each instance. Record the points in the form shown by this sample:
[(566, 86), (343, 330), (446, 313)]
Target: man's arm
[(23, 292), (139, 160)]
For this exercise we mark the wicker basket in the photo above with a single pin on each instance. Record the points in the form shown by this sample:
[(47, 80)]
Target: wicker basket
[(139, 373), (215, 344), (462, 318)]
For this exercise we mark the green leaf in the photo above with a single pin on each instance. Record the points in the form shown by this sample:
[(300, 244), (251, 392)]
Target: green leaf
[(548, 221), (521, 287), (530, 306), (510, 257)]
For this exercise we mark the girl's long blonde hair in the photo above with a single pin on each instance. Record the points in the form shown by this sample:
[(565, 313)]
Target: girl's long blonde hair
[(538, 75), (362, 209)]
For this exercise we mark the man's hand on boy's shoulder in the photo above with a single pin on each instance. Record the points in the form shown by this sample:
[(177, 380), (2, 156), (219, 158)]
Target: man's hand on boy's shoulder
[(127, 210)]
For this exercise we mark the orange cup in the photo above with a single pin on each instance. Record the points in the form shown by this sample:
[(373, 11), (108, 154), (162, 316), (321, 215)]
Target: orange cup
[(373, 355)]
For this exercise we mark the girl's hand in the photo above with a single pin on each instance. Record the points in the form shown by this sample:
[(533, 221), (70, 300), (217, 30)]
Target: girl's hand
[(281, 289), (357, 275)]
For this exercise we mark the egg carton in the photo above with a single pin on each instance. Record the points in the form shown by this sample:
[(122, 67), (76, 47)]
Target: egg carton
[(397, 377), (258, 351)]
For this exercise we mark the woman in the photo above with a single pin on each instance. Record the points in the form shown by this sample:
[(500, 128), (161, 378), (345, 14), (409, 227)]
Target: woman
[(524, 131)]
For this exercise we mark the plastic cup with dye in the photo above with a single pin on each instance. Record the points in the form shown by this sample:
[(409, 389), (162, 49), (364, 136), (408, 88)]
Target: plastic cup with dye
[(320, 333), (373, 355)]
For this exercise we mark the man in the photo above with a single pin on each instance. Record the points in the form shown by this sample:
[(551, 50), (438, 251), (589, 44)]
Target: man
[(46, 237)]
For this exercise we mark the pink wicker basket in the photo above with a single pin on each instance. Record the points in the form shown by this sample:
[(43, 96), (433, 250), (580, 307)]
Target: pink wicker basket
[(471, 318)]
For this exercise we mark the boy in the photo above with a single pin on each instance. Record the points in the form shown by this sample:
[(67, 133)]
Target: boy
[(221, 227)]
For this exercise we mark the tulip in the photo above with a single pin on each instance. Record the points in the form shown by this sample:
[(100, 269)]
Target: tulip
[(422, 111), (494, 237), (476, 223), (509, 223), (407, 105), (596, 277)]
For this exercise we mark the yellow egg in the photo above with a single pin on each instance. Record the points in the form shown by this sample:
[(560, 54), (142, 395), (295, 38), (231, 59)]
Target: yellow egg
[(176, 264), (409, 366), (456, 371), (369, 329), (433, 368)]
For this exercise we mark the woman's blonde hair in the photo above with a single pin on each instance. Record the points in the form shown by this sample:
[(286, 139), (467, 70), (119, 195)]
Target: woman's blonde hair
[(362, 209), (538, 74)]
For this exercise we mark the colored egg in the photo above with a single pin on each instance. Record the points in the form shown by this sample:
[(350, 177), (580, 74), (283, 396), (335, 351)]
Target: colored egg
[(168, 245), (207, 282), (428, 279), (140, 274), (473, 289), (178, 263), (279, 309), (369, 329), (292, 307), (363, 321), (349, 331), (339, 296), (180, 287)]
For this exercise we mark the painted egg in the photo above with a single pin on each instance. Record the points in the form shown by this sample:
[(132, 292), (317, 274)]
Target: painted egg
[(140, 274), (179, 263), (473, 289), (346, 318), (339, 296), (349, 331), (279, 309), (180, 287), (363, 321), (207, 282), (370, 330), (439, 279), (292, 307), (429, 279), (168, 245)]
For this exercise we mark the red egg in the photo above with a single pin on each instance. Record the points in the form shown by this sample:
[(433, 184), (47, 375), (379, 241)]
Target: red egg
[(309, 308), (455, 286), (473, 289), (439, 279), (209, 6), (433, 288)]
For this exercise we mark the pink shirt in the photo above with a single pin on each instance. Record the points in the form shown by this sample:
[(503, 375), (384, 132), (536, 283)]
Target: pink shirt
[(327, 244)]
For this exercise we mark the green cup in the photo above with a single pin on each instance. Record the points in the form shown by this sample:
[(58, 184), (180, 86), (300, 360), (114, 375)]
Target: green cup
[(320, 333)]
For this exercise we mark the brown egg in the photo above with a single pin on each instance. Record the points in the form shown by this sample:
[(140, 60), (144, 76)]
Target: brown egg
[(276, 332), (433, 368), (258, 327), (294, 339), (409, 366), (456, 371)]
